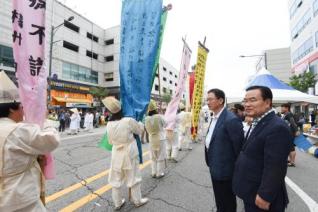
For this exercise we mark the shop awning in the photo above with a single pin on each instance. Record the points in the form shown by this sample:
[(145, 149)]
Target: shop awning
[(71, 100)]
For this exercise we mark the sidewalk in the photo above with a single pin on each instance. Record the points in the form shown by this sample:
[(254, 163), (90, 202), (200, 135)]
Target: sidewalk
[(99, 130)]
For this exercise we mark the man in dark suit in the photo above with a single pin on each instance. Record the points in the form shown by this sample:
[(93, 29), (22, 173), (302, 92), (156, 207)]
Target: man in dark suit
[(222, 146), (261, 167)]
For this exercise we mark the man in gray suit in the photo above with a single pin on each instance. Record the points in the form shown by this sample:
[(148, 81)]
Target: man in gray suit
[(222, 146)]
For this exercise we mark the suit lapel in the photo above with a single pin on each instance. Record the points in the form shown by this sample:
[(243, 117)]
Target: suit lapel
[(218, 123), (259, 127)]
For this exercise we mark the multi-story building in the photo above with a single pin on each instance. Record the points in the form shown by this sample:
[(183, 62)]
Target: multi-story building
[(304, 35), (84, 55), (278, 62)]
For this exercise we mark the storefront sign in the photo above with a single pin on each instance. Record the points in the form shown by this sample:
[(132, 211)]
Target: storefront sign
[(69, 86)]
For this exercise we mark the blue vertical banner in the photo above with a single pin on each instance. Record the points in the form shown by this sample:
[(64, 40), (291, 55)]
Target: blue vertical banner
[(140, 30)]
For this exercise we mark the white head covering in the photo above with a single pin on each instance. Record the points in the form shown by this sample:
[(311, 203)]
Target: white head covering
[(181, 106), (112, 104), (8, 91), (74, 110)]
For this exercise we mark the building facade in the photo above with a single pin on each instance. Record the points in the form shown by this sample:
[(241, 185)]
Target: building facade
[(304, 35), (84, 55), (278, 62)]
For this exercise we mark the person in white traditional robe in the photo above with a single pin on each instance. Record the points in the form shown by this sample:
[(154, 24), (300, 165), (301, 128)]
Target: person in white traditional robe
[(172, 142), (74, 121), (86, 120), (155, 124), (79, 114), (124, 161), (22, 181), (184, 128), (203, 125), (90, 122)]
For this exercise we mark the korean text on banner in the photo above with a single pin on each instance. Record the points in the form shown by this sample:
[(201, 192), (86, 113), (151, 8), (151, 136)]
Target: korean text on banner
[(198, 87), (28, 19), (171, 112), (140, 29)]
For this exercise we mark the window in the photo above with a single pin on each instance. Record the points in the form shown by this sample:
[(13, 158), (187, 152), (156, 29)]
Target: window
[(176, 84), (157, 87), (71, 26), (109, 42), (109, 58), (170, 91), (109, 77), (175, 76), (164, 89), (300, 26), (79, 73), (92, 37), (6, 56), (294, 7), (164, 68), (170, 82), (164, 79), (91, 54), (303, 50), (70, 46), (170, 73)]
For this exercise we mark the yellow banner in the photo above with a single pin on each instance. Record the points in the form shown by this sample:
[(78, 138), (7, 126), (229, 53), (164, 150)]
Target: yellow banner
[(198, 88)]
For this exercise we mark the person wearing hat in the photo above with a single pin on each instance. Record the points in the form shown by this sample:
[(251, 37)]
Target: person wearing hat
[(184, 128), (124, 161), (21, 178), (155, 124)]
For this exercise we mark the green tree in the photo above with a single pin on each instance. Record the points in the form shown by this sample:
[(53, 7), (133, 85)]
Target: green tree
[(98, 92), (303, 81)]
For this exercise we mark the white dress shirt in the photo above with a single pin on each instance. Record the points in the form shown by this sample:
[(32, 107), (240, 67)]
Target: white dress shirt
[(214, 120)]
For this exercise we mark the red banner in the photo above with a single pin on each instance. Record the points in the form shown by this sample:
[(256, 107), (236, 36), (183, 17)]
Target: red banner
[(191, 84)]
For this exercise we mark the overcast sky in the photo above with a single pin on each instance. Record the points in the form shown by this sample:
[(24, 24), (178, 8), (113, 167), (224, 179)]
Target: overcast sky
[(232, 28)]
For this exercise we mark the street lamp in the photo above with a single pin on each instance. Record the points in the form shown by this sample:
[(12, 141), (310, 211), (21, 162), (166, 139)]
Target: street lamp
[(53, 31), (258, 55)]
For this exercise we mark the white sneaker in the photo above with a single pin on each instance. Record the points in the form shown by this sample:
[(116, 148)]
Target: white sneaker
[(142, 202), (160, 175), (121, 205)]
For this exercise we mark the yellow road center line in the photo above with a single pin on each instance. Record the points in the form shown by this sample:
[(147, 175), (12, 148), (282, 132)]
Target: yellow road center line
[(88, 198), (78, 185)]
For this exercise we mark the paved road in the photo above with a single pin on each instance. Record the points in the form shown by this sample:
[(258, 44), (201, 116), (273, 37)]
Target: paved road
[(81, 182)]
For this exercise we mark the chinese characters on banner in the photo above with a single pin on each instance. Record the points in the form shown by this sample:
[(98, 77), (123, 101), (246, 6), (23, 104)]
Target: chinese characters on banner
[(171, 112), (28, 20), (140, 29), (198, 87)]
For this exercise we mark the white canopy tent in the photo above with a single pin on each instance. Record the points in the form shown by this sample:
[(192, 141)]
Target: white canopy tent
[(282, 93)]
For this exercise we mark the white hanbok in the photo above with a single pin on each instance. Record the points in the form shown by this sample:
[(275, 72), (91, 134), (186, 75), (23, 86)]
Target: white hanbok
[(20, 144)]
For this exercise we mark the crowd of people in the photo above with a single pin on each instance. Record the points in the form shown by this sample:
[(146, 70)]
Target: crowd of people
[(246, 149), (72, 120)]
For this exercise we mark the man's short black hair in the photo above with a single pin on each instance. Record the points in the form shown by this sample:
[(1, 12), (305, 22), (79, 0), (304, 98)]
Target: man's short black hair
[(265, 91), (5, 108), (239, 107), (287, 105), (219, 94)]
